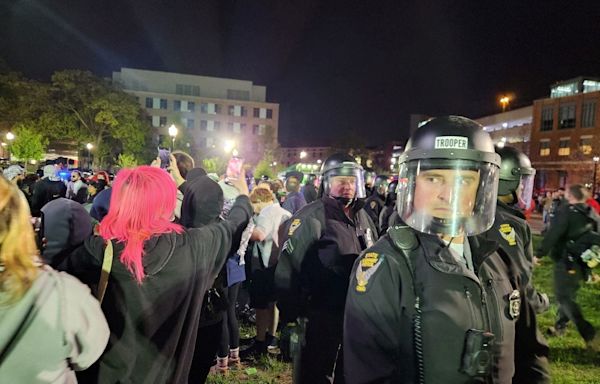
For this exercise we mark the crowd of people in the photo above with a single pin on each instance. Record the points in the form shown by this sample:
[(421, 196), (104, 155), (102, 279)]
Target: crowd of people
[(421, 277)]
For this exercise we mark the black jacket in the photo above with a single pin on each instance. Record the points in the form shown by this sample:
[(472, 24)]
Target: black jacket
[(154, 324), (378, 328), (373, 206), (316, 259), (45, 190), (566, 225)]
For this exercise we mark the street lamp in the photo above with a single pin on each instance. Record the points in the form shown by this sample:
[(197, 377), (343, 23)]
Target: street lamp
[(228, 145), (89, 147), (504, 100), (172, 133), (302, 154), (10, 137), (596, 160)]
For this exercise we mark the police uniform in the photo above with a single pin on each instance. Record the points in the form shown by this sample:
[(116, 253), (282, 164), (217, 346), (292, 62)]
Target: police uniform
[(373, 206), (380, 343), (513, 234), (567, 224), (312, 278)]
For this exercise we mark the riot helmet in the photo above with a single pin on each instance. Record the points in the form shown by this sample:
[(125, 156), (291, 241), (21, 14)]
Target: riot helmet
[(342, 179), (516, 175), (391, 191), (380, 185), (370, 176), (448, 178)]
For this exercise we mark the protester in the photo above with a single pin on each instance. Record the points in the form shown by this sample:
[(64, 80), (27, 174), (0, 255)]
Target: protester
[(294, 200), (49, 322), (76, 188), (49, 187), (569, 223), (158, 277), (269, 216)]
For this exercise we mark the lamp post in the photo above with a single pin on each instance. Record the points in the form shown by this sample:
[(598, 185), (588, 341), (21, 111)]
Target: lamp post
[(504, 100), (89, 147), (303, 154), (10, 137), (596, 160), (172, 133)]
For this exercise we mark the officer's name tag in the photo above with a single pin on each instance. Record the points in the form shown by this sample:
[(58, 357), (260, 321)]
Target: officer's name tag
[(451, 142)]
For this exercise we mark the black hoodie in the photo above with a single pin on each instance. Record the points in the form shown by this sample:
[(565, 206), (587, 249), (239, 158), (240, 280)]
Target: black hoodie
[(154, 325)]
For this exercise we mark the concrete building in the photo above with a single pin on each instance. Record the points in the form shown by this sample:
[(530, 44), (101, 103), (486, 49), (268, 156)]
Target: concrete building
[(208, 111), (512, 128), (565, 136), (312, 155)]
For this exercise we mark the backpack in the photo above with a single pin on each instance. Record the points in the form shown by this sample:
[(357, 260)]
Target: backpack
[(584, 247)]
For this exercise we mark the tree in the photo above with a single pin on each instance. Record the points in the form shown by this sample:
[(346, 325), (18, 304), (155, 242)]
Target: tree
[(28, 143), (216, 165), (264, 168), (89, 109), (127, 161)]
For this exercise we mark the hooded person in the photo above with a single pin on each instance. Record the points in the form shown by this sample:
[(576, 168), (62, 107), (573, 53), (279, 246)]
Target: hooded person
[(48, 188), (14, 173), (66, 225), (294, 200)]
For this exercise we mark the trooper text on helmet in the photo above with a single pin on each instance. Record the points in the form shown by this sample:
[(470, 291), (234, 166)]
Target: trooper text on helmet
[(448, 178), (342, 179)]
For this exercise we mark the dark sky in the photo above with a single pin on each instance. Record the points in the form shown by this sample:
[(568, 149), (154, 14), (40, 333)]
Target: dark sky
[(334, 66)]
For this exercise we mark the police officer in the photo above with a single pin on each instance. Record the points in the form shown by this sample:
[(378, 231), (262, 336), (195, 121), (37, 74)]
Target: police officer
[(323, 240), (374, 203), (513, 234), (433, 301), (389, 208), (569, 223), (369, 176), (309, 190)]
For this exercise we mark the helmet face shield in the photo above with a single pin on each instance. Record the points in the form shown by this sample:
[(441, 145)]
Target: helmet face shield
[(346, 181), (525, 190), (453, 197)]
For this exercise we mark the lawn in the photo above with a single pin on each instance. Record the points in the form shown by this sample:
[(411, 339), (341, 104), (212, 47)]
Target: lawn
[(570, 361)]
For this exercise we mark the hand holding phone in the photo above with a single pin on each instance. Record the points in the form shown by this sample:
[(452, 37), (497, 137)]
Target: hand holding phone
[(165, 161), (234, 168)]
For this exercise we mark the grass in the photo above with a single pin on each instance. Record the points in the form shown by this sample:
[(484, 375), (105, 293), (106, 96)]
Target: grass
[(570, 362)]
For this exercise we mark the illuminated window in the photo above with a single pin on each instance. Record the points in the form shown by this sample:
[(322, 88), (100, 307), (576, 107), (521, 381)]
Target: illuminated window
[(544, 148), (566, 116), (588, 113), (585, 145), (547, 118), (591, 86), (563, 147)]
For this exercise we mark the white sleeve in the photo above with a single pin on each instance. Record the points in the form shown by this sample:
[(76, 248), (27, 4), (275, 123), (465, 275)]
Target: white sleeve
[(86, 329)]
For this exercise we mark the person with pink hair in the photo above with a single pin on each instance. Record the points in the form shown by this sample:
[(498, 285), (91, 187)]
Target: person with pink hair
[(159, 275)]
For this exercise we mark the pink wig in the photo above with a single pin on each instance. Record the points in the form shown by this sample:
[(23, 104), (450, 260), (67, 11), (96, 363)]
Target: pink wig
[(141, 206)]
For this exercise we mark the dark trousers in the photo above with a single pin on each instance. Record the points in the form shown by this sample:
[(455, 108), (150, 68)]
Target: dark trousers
[(567, 277), (207, 344), (531, 349), (230, 335), (321, 357)]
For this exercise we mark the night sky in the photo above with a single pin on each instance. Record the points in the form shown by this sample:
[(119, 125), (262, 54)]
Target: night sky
[(336, 68)]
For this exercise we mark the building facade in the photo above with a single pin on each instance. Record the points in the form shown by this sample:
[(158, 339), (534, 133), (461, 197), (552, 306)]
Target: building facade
[(210, 113), (565, 136)]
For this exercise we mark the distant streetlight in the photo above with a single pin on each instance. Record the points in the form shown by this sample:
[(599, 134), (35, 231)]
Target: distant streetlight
[(10, 137), (173, 134), (302, 154), (319, 161), (504, 101), (89, 147), (596, 160), (228, 146)]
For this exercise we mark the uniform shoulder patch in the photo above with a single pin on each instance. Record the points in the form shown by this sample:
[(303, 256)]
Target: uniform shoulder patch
[(366, 268), (293, 226), (508, 233)]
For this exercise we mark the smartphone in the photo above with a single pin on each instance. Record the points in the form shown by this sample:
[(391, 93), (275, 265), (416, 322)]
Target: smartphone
[(165, 160), (234, 168)]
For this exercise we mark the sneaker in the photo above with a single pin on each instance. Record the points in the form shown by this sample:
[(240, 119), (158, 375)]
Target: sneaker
[(234, 357), (273, 346), (594, 344), (222, 365), (257, 349)]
